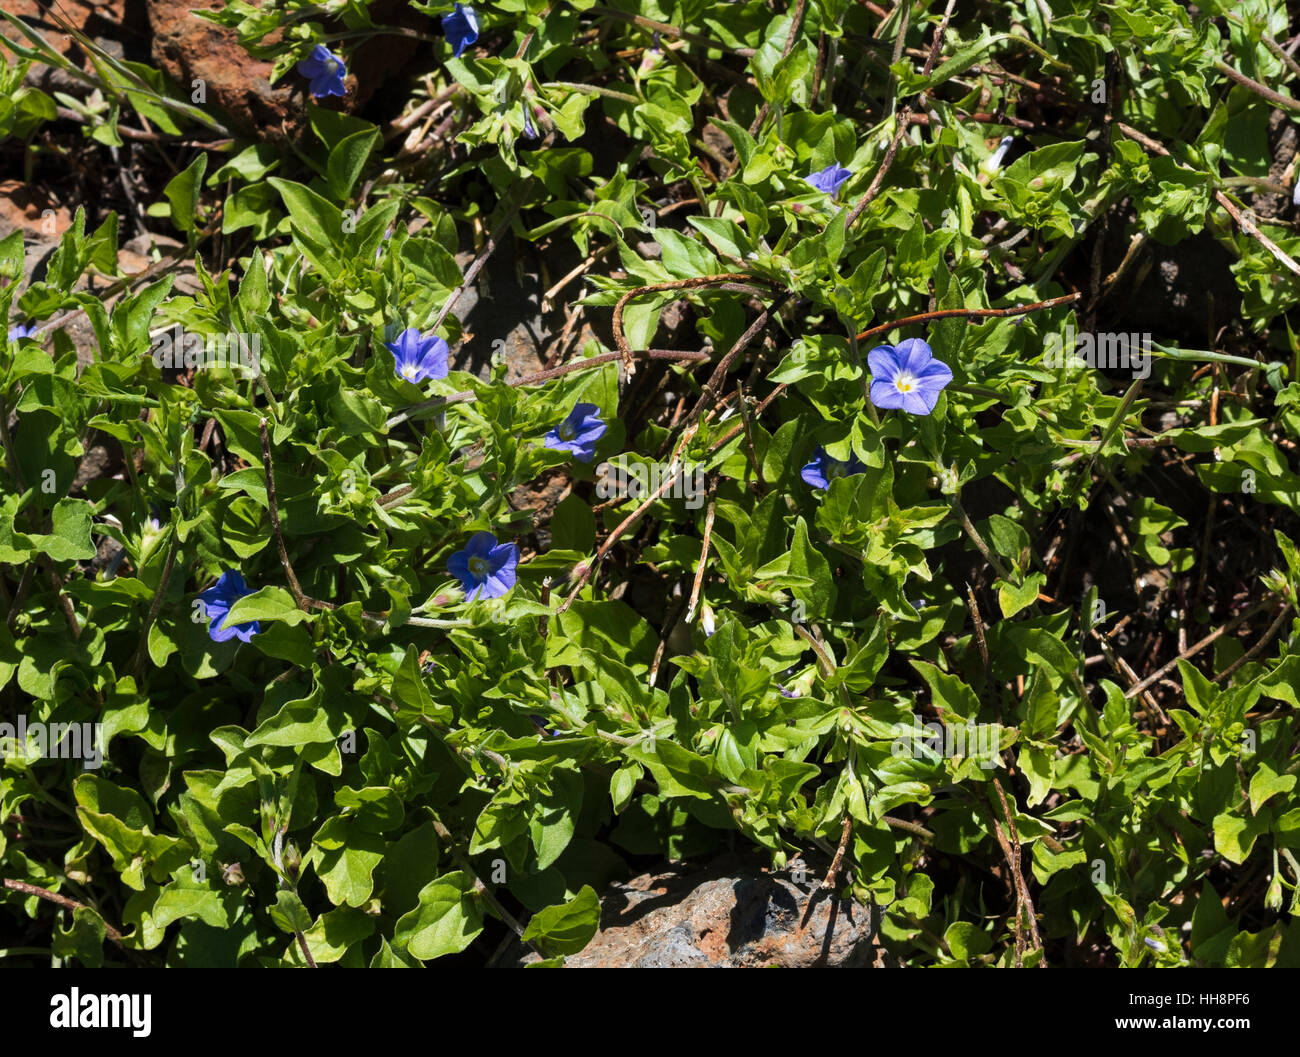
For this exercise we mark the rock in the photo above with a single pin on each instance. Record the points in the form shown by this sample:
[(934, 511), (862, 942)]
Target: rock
[(35, 213), (733, 914), (187, 47), (501, 314), (117, 26)]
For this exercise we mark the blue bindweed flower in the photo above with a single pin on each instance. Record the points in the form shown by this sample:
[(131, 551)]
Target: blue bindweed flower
[(579, 432), (907, 376), (829, 179), (994, 161), (21, 331), (461, 27), (823, 469), (418, 357), (325, 70), (485, 568), (530, 130), (218, 599)]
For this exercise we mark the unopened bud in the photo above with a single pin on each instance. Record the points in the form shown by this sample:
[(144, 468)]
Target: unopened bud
[(292, 861)]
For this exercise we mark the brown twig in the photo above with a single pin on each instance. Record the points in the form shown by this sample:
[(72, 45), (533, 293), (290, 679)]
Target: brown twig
[(490, 246), (1024, 901), (1247, 227), (843, 847), (714, 385), (969, 313), (1191, 651), (796, 27), (63, 901), (1256, 649), (620, 339), (628, 522), (704, 550), (299, 596), (903, 119), (1261, 90)]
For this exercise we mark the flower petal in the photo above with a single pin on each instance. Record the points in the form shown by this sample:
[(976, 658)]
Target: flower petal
[(503, 559), (884, 362), (458, 566), (884, 395), (461, 28), (814, 472), (919, 401), (913, 354), (480, 544), (589, 432)]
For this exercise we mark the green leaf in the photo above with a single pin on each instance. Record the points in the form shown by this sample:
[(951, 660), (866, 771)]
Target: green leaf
[(677, 771), (269, 603), (568, 927), (1265, 783), (182, 192), (70, 540), (289, 913), (446, 921), (317, 225), (347, 160)]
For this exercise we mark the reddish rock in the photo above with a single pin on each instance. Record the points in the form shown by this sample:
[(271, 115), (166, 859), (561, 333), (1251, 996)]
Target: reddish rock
[(119, 27), (31, 210), (187, 47)]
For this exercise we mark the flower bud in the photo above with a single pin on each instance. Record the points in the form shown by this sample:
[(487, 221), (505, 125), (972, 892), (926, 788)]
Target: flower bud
[(292, 861)]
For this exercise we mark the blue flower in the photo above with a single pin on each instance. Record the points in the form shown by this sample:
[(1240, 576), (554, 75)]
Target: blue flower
[(907, 376), (579, 432), (530, 131), (326, 71), (829, 179), (485, 568), (994, 161), (21, 331), (418, 358), (823, 469), (218, 599), (540, 722), (461, 27)]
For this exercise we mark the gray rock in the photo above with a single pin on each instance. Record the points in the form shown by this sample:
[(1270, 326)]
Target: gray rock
[(733, 914)]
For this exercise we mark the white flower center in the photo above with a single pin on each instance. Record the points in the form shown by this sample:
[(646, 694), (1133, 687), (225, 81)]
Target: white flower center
[(566, 430), (905, 382), (409, 370), (332, 66), (479, 567)]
